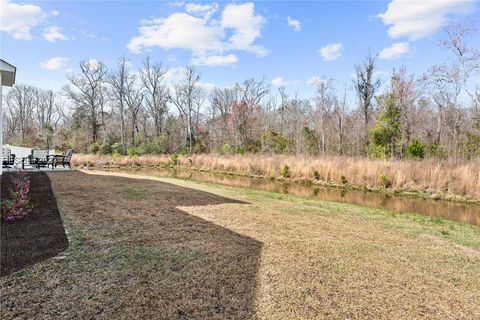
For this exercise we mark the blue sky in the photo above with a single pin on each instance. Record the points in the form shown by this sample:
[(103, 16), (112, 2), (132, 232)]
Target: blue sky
[(290, 43)]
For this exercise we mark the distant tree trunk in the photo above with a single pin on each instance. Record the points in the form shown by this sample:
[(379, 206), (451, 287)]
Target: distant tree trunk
[(157, 93), (341, 122), (185, 93), (366, 87)]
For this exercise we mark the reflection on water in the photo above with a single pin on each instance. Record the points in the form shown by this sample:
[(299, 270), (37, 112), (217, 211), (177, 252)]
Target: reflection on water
[(462, 212)]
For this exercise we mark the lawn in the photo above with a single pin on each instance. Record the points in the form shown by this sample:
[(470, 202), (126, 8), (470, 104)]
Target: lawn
[(156, 248)]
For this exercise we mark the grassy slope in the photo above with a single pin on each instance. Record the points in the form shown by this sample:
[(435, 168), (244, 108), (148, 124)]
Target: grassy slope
[(336, 260), (317, 260)]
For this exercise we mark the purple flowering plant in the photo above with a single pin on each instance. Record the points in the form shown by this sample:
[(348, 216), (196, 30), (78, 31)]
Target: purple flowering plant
[(18, 207)]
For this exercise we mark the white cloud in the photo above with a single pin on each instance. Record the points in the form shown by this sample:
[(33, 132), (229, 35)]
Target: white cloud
[(295, 24), (174, 74), (207, 86), (279, 82), (316, 80), (417, 19), (92, 35), (174, 4), (54, 63), (53, 34), (246, 27), (204, 10), (18, 19), (209, 39), (55, 13), (331, 52), (215, 60), (396, 50), (179, 30)]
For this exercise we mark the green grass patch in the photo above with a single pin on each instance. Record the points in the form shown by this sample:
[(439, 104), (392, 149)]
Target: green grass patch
[(411, 225), (133, 192)]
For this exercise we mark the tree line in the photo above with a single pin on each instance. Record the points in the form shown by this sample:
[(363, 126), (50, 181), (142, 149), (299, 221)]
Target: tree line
[(125, 111)]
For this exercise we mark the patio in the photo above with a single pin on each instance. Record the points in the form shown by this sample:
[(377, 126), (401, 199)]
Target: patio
[(31, 168), (22, 162)]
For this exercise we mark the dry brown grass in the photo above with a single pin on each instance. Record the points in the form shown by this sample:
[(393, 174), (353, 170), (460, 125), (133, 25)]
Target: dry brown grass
[(185, 250), (432, 176)]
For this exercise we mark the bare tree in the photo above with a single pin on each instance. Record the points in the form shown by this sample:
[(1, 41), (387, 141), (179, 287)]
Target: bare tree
[(117, 80), (450, 81), (133, 99), (295, 112), (283, 105), (441, 109), (340, 113), (221, 100), (47, 114), (156, 92), (249, 95), (404, 93), (365, 86), (21, 103), (184, 94), (325, 102), (88, 91)]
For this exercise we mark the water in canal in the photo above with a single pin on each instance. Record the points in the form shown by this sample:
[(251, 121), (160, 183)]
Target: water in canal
[(462, 212)]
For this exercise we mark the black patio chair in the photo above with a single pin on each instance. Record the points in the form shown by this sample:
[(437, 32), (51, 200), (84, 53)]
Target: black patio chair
[(40, 158), (8, 158), (64, 158)]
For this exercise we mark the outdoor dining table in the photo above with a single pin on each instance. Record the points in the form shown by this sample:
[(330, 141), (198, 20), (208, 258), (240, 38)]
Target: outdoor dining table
[(24, 160)]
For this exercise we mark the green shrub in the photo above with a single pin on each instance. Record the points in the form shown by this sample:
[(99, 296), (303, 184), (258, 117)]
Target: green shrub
[(133, 151), (182, 151), (286, 171), (386, 183), (316, 175), (116, 149), (416, 150), (386, 131), (376, 151), (310, 137), (471, 146), (105, 148), (174, 159), (273, 141), (225, 148), (434, 150), (94, 147), (241, 151), (156, 146)]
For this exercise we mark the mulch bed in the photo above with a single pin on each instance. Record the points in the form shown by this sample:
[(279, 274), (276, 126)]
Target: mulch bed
[(38, 237)]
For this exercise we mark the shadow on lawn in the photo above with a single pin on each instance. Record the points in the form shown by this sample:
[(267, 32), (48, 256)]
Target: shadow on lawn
[(143, 257), (37, 238)]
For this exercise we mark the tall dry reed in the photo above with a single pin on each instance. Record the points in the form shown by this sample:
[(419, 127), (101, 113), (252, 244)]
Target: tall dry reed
[(448, 177)]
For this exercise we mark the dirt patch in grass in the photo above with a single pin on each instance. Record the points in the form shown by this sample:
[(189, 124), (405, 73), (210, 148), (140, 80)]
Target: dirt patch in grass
[(40, 236), (189, 250)]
